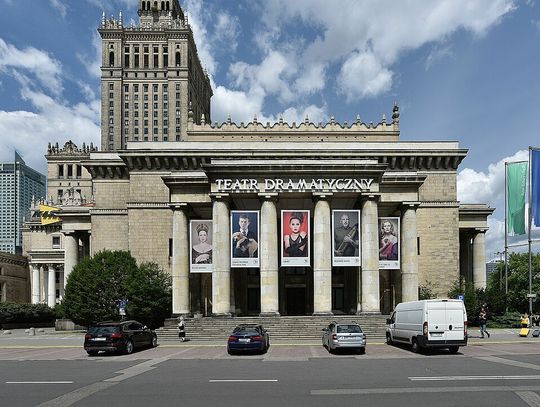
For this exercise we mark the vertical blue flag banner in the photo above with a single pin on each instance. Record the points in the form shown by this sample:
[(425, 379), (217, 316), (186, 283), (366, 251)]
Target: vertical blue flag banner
[(516, 184), (535, 187)]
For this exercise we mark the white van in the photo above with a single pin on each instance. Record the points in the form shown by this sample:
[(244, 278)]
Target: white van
[(429, 324)]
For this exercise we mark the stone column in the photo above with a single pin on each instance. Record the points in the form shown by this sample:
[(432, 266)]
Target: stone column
[(43, 284), (35, 283), (322, 258), (269, 255), (180, 261), (221, 274), (369, 284), (51, 295), (479, 259), (71, 254), (409, 253)]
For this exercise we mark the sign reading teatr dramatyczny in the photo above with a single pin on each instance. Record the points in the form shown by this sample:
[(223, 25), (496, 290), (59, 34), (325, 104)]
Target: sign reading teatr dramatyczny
[(302, 184)]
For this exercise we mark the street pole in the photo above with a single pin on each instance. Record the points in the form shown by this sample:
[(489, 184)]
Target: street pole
[(530, 241)]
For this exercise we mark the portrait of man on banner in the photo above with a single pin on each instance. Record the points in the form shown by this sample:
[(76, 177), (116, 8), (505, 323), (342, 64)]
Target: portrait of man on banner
[(201, 246), (244, 239), (389, 243), (295, 238), (346, 238)]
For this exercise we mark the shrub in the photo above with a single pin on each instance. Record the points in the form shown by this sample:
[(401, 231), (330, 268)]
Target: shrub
[(11, 312)]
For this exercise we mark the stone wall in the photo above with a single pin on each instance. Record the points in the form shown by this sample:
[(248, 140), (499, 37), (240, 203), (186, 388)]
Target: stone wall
[(111, 194), (438, 186), (149, 234), (109, 232), (148, 187), (438, 262), (14, 278)]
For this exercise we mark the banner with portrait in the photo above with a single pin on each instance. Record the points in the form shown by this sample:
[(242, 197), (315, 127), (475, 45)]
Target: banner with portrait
[(245, 239), (200, 243), (295, 238), (346, 238), (389, 247)]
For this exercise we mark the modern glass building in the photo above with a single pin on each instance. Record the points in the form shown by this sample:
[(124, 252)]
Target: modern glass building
[(18, 183)]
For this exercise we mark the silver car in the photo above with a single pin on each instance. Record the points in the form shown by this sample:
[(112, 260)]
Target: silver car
[(344, 335)]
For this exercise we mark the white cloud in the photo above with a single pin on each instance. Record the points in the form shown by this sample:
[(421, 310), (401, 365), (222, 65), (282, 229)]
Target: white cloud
[(198, 19), (59, 6), (362, 76), (477, 186), (227, 29), (352, 29), (437, 54), (488, 187), (92, 63), (31, 60)]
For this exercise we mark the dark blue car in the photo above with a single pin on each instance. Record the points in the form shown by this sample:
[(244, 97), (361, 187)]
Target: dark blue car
[(248, 338)]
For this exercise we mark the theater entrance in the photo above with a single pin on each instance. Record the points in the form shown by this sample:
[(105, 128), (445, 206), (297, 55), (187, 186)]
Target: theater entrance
[(296, 300)]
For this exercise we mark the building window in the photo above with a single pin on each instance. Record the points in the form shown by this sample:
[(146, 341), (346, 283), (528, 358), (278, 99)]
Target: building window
[(111, 95), (135, 88), (111, 58), (155, 130), (79, 171), (136, 132), (61, 171), (70, 171), (177, 86), (155, 106), (60, 193), (111, 86), (56, 242), (177, 59), (155, 97), (165, 88)]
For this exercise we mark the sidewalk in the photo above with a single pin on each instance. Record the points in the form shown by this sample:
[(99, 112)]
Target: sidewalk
[(49, 337)]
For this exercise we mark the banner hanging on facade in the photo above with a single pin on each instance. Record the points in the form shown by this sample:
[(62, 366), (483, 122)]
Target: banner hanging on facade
[(200, 258), (295, 238), (516, 186), (389, 248), (346, 238), (535, 187), (245, 238)]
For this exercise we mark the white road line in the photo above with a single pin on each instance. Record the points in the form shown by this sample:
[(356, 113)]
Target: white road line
[(531, 398), (402, 390), (509, 362), (240, 380), (457, 378), (55, 382)]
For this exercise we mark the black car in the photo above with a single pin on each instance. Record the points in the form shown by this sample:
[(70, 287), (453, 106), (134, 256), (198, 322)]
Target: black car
[(122, 336), (248, 337)]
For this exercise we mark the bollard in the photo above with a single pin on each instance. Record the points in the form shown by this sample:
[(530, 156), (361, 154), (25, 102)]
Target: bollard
[(32, 331)]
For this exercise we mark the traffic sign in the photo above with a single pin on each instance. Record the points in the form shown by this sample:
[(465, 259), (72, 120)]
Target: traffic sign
[(461, 297)]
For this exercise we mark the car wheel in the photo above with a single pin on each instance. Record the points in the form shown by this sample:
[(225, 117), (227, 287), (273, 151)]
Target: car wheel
[(330, 350), (389, 339), (154, 341), (129, 348), (230, 352), (362, 351), (92, 352), (414, 346), (453, 349)]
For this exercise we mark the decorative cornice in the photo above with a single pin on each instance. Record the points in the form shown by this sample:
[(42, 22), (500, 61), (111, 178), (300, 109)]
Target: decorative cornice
[(148, 205), (108, 212), (439, 204), (17, 260)]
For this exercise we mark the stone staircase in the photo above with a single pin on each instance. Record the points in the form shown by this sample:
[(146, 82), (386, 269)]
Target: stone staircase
[(291, 328)]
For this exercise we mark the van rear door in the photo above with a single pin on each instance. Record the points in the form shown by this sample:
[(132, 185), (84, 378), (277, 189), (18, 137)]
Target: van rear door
[(436, 318), (455, 321)]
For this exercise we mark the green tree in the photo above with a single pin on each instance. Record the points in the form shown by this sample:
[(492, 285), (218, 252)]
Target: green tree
[(427, 290), (518, 281), (149, 291), (94, 286), (473, 298)]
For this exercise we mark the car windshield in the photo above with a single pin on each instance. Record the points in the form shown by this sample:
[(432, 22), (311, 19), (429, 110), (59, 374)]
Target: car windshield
[(349, 329), (245, 330), (103, 330)]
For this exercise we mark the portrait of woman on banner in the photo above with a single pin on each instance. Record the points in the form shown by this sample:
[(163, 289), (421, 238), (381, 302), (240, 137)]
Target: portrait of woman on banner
[(201, 248), (388, 239), (295, 236)]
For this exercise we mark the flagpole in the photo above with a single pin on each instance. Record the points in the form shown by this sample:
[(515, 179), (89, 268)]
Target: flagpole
[(505, 231), (530, 241)]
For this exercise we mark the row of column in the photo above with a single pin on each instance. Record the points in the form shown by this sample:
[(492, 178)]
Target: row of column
[(368, 285), (45, 292)]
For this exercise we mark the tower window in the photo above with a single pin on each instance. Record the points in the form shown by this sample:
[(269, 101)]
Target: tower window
[(61, 171), (177, 59), (111, 58)]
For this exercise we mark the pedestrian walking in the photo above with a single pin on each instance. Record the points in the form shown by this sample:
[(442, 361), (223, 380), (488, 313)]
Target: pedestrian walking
[(482, 320), (181, 329), (525, 320)]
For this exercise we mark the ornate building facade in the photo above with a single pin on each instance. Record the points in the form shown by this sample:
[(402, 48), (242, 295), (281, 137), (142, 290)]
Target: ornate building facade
[(344, 217)]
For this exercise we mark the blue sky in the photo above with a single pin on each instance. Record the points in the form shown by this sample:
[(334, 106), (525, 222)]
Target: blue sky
[(461, 70)]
